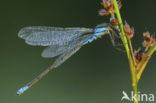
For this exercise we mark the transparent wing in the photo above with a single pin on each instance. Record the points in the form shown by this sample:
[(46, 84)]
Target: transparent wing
[(56, 50), (46, 36), (62, 58)]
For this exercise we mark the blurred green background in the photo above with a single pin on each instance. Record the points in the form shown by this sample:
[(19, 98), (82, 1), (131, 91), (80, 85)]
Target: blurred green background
[(98, 73)]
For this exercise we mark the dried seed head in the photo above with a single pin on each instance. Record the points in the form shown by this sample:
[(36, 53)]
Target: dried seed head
[(138, 54), (108, 7), (149, 40), (127, 28), (132, 31), (107, 4), (103, 12), (147, 36), (128, 31)]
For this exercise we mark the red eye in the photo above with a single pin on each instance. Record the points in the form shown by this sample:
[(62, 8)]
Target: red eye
[(114, 22)]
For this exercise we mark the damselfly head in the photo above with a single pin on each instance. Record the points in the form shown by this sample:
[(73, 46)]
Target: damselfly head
[(114, 21)]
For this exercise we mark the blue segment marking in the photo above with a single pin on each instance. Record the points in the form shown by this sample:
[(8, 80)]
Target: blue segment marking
[(20, 91), (97, 32)]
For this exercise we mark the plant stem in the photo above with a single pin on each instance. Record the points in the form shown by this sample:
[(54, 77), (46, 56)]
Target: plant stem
[(131, 48), (134, 79), (125, 42), (135, 92), (123, 36)]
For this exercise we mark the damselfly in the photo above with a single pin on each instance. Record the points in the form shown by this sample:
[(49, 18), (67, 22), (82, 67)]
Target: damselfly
[(62, 42)]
